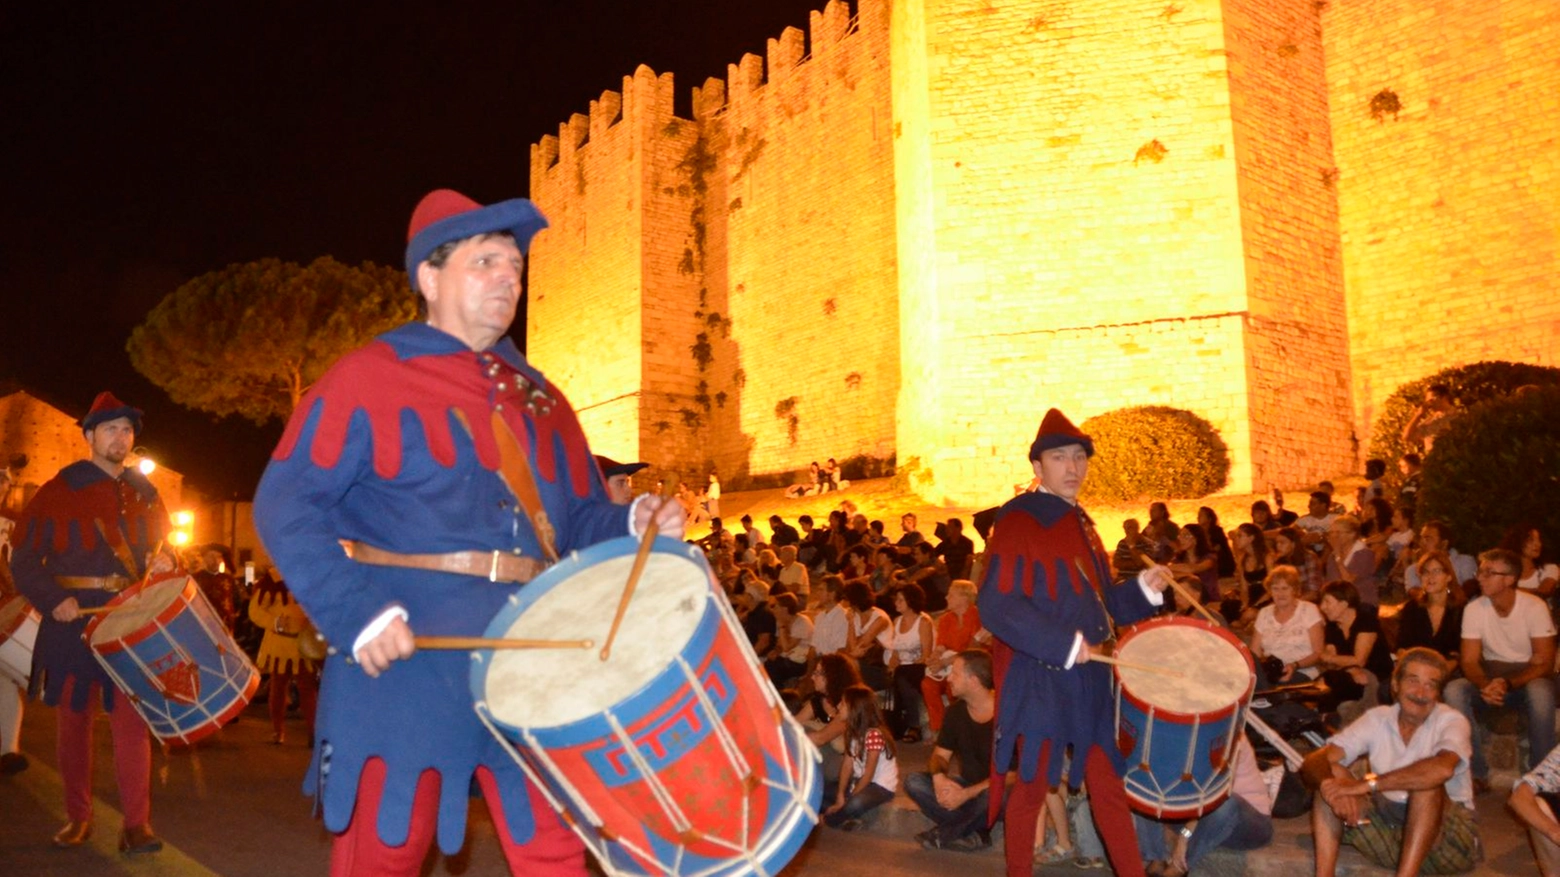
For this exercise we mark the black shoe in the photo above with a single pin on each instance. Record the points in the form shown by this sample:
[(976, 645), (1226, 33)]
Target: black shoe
[(911, 736), (139, 841), (973, 842), (12, 762)]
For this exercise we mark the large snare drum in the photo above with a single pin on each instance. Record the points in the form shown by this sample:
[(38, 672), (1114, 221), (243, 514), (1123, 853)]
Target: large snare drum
[(18, 632), (166, 650), (1179, 732), (675, 756)]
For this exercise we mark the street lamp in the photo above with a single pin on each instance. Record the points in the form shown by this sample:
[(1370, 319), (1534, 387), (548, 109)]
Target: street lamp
[(183, 527), (146, 464)]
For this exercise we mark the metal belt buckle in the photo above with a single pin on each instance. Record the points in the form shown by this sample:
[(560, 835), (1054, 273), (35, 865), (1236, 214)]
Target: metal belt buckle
[(493, 569)]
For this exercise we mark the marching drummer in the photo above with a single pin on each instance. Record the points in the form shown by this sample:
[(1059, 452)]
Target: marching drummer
[(87, 535), (1048, 597), (455, 472)]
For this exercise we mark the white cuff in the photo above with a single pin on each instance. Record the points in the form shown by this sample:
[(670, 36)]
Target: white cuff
[(1077, 649), (378, 625), (1155, 598), (633, 507)]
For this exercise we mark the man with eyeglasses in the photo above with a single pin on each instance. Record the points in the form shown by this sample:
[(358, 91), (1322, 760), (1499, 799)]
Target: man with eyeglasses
[(1508, 649)]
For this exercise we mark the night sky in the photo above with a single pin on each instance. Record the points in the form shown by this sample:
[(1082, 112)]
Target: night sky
[(150, 143)]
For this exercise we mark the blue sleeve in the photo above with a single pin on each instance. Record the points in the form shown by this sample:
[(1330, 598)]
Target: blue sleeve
[(1020, 621)]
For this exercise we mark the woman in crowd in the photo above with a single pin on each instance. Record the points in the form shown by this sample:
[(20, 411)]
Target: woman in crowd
[(1193, 557), (856, 568), (1289, 628), (1538, 576), (769, 565), (823, 713), (1251, 564), (907, 643), (869, 775), (1289, 549), (867, 622), (1433, 617), (1218, 541), (1355, 656), (956, 630)]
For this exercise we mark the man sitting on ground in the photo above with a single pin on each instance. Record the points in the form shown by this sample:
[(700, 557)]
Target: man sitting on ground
[(1508, 653), (1415, 812), (1536, 800), (953, 791)]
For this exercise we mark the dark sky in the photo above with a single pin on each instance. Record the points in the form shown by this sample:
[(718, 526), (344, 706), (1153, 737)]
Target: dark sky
[(149, 143)]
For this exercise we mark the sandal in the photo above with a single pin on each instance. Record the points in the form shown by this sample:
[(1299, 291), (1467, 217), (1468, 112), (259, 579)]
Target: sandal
[(1057, 853)]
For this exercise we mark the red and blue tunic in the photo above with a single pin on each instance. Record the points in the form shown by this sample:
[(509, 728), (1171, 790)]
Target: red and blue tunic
[(1048, 579), (80, 523), (395, 448)]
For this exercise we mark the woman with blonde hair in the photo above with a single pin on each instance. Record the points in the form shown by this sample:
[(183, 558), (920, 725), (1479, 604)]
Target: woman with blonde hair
[(1289, 628)]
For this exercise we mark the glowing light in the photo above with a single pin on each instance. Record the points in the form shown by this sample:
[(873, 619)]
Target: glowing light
[(147, 465), (183, 519), (179, 537)]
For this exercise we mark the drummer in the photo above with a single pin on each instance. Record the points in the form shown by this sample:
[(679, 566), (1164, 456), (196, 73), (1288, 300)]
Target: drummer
[(418, 450), (86, 535), (11, 758), (620, 478), (1048, 597)]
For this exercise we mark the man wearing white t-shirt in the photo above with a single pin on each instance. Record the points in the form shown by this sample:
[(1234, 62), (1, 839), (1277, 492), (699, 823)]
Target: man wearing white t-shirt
[(1508, 649), (793, 640), (1317, 520), (831, 627)]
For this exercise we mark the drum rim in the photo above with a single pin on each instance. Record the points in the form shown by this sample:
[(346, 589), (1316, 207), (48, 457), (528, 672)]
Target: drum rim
[(123, 598), (1177, 716)]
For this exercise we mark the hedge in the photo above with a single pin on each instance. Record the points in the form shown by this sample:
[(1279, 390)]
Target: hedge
[(1154, 452)]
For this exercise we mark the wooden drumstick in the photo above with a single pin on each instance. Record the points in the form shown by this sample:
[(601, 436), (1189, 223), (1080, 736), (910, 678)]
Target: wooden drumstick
[(477, 642), (100, 610), (645, 543), (1185, 594), (1134, 665)]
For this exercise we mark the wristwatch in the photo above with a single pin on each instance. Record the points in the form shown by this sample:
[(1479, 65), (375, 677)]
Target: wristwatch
[(1370, 780)]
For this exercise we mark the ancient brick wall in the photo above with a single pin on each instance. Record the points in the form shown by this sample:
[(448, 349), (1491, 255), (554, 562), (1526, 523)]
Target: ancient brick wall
[(1449, 189)]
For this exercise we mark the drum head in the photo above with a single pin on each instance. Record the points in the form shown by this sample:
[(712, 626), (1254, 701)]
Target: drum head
[(12, 612), (1215, 672), (139, 608), (537, 688)]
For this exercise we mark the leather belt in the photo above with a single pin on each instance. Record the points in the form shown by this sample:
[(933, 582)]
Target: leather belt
[(495, 566), (111, 584)]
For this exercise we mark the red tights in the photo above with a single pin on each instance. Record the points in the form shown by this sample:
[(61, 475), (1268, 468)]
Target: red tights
[(132, 756), (1107, 798), (552, 851)]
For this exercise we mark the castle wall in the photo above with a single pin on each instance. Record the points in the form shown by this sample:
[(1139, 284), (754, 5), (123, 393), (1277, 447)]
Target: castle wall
[(1450, 206), (805, 218)]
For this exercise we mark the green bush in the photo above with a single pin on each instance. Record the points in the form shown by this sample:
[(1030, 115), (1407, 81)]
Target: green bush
[(1470, 384), (1497, 465), (1154, 452)]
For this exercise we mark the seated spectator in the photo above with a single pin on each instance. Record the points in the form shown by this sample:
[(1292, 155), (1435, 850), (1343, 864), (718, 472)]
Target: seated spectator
[(831, 624), (886, 576), (1333, 505), (822, 714), (1262, 517), (1414, 812), (1251, 564), (1412, 467), (856, 567), (1432, 619), (1243, 822), (928, 572), (831, 476), (1400, 541), (1375, 471), (869, 774), (783, 533), (1193, 558), (769, 565), (1436, 535), (1349, 559), (793, 576), (742, 553), (875, 538), (1536, 802), (1159, 513), (1163, 548), (787, 661), (1289, 550), (1218, 541), (953, 790), (1508, 654), (755, 536), (956, 550), (1128, 557), (751, 601), (867, 622), (1355, 656), (1289, 629), (1538, 577), (1315, 523), (859, 530), (909, 537), (956, 630), (906, 643)]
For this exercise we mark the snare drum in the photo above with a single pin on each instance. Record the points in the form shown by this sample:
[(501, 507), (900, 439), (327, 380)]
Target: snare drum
[(18, 632), (167, 651), (1179, 732), (675, 756)]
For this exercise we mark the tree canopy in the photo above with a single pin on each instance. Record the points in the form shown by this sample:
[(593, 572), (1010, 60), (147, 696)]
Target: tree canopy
[(251, 338)]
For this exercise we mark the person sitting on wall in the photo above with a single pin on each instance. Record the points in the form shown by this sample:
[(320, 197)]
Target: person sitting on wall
[(953, 791)]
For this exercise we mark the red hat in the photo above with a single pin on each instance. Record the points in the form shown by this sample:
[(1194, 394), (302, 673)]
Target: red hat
[(445, 215), (107, 407), (1056, 431)]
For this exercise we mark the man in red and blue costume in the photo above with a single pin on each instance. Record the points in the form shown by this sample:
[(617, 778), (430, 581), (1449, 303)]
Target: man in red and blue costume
[(1048, 597), (88, 534), (453, 471)]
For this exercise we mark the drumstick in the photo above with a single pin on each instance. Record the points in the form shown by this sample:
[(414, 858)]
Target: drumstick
[(1134, 665), (1185, 594), (477, 642), (640, 559), (100, 610)]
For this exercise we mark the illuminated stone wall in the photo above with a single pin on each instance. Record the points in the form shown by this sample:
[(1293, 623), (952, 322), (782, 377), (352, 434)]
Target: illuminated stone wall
[(910, 230), (1451, 205)]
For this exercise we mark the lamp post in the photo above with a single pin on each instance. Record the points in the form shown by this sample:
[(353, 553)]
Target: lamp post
[(144, 463)]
